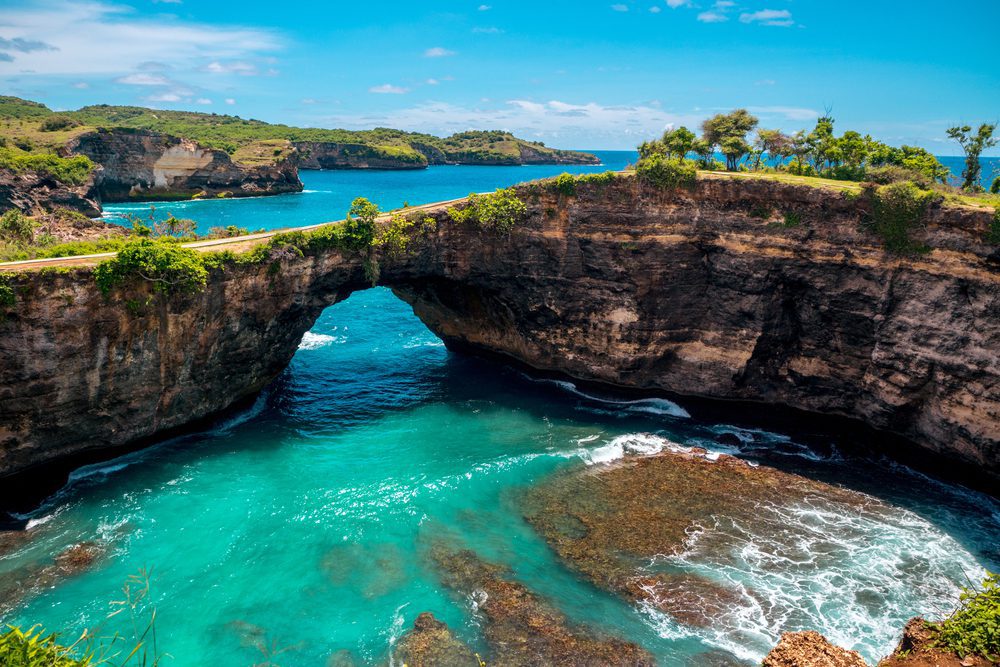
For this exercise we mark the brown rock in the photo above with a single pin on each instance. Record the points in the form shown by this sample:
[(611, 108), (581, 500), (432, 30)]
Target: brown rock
[(522, 629), (810, 649), (431, 644)]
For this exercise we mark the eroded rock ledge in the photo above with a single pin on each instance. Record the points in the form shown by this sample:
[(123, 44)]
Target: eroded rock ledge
[(698, 292)]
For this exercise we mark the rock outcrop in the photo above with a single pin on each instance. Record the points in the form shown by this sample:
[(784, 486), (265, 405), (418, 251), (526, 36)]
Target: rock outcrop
[(36, 192), (917, 649), (330, 155), (810, 649), (431, 644), (701, 291), (138, 165)]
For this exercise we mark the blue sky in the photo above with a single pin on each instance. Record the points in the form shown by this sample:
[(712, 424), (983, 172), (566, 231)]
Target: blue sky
[(575, 74)]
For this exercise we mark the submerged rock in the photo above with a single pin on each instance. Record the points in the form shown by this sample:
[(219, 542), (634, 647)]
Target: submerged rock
[(810, 649), (25, 581), (431, 644), (520, 627), (615, 523)]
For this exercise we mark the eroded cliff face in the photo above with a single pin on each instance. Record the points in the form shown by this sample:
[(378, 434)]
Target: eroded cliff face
[(702, 292), (34, 192), (139, 164), (330, 155)]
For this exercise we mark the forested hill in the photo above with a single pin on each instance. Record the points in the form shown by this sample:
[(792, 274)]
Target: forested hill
[(32, 126)]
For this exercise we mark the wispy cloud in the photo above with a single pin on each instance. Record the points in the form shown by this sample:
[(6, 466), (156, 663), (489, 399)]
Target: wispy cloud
[(140, 79), (620, 8), (674, 4), (96, 38), (388, 89), (241, 67), (438, 52), (485, 8), (774, 17), (712, 16), (491, 30)]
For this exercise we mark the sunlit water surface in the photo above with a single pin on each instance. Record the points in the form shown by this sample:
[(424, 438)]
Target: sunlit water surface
[(304, 521)]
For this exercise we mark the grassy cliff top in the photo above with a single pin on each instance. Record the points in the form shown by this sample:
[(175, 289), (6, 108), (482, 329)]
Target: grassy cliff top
[(250, 141)]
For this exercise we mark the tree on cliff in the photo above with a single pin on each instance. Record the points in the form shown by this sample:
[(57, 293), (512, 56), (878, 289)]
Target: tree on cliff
[(973, 145), (729, 132), (775, 143)]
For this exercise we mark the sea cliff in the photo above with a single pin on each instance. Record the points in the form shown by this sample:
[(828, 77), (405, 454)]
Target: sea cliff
[(704, 291)]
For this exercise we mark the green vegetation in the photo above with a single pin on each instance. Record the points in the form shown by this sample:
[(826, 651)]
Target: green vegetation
[(565, 184), (499, 211), (169, 267), (32, 648), (993, 236), (7, 296), (71, 170), (897, 210), (16, 227), (58, 122), (974, 628), (973, 144), (729, 132), (664, 172)]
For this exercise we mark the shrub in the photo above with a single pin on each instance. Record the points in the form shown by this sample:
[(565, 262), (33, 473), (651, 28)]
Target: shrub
[(72, 170), (7, 296), (995, 188), (666, 173), (993, 236), (601, 179), (974, 628), (359, 226), (565, 184), (891, 173), (167, 266), (897, 209), (58, 122), (791, 219), (16, 227), (31, 648), (499, 211)]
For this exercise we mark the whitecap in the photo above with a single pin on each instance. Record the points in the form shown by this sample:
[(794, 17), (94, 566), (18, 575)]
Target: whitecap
[(315, 341), (655, 406)]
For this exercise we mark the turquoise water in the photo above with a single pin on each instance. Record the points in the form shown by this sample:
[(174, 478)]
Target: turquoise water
[(305, 520)]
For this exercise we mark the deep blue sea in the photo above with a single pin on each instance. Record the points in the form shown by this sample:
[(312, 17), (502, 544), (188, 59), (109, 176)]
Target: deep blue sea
[(299, 525)]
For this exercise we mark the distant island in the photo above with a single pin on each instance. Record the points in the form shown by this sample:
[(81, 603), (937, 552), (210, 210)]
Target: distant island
[(104, 153)]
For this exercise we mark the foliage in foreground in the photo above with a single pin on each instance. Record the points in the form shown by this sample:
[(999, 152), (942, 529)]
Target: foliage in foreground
[(974, 628), (32, 648)]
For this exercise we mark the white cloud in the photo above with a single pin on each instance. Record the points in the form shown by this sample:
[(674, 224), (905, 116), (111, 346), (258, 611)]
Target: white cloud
[(204, 101), (655, 9), (791, 113), (81, 85), (99, 38), (230, 101), (432, 82), (308, 100), (674, 4), (775, 17), (487, 31), (164, 97), (485, 8), (620, 8), (567, 124), (712, 17), (765, 82), (724, 4), (438, 52), (140, 79), (388, 89), (240, 67)]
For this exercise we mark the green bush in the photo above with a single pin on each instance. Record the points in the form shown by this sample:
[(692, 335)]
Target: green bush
[(7, 296), (666, 173), (58, 122), (499, 211), (565, 184), (974, 628), (72, 170), (892, 173), (31, 648), (897, 209), (359, 225), (16, 227), (993, 236), (168, 267), (995, 187), (601, 179)]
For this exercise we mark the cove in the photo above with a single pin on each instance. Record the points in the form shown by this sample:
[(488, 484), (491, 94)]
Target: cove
[(306, 516), (305, 520)]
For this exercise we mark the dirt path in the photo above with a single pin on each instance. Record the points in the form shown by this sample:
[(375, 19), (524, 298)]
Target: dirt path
[(235, 244)]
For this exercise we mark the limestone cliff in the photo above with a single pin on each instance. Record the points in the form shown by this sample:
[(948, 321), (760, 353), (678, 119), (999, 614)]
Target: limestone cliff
[(702, 292), (141, 165), (333, 155)]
